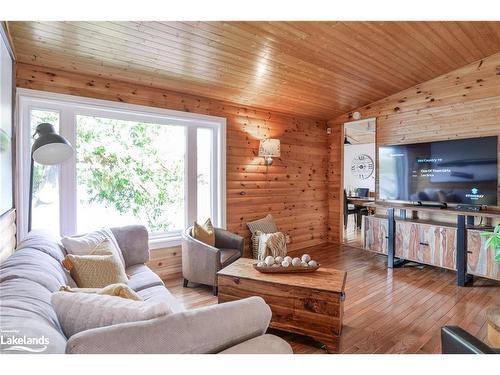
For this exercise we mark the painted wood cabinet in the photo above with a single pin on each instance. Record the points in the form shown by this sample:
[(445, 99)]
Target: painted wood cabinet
[(426, 243), (375, 234), (480, 260)]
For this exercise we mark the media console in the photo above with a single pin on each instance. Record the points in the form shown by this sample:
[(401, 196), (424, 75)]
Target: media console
[(454, 244)]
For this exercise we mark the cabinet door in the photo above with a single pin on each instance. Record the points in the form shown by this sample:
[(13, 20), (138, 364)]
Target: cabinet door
[(437, 246), (407, 240), (424, 243), (375, 234), (481, 260)]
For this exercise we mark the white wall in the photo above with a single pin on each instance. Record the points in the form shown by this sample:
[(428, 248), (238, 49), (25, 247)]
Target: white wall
[(350, 152)]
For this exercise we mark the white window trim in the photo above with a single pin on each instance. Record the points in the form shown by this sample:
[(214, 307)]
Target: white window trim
[(68, 107)]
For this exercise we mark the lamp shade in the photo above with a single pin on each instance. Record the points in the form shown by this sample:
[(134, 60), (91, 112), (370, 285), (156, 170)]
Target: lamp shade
[(49, 147), (269, 148)]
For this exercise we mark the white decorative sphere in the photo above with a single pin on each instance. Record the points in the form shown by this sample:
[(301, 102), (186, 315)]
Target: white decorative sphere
[(295, 262), (313, 263), (269, 260), (261, 264), (288, 259), (275, 265), (285, 263), (306, 258), (278, 260), (303, 264)]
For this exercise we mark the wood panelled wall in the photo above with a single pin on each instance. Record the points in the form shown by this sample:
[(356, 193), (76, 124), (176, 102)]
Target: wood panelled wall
[(293, 188), (461, 104)]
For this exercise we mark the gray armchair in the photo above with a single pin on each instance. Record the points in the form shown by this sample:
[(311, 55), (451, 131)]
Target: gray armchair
[(201, 262)]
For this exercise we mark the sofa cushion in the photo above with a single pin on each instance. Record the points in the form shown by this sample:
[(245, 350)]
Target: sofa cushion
[(264, 344), (133, 243), (27, 280), (228, 256), (95, 271), (79, 312), (141, 277), (117, 290), (86, 243), (159, 293)]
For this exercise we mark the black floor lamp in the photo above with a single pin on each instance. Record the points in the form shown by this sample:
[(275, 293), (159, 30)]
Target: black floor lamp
[(49, 148)]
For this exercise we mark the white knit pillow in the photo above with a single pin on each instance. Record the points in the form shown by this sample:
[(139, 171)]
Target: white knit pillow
[(84, 244), (78, 312)]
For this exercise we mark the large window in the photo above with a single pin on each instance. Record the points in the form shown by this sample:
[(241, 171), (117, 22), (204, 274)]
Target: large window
[(132, 165)]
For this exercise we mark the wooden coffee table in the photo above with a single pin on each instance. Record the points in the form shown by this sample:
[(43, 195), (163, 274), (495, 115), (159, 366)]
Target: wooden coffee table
[(310, 304)]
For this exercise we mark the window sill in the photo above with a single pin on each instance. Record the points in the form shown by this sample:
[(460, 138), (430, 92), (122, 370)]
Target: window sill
[(163, 242)]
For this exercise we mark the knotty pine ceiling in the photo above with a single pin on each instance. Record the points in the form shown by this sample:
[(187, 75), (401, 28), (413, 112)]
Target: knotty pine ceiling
[(315, 69)]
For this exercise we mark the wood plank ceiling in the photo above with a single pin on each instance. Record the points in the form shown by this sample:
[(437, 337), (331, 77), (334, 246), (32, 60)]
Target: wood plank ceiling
[(315, 69)]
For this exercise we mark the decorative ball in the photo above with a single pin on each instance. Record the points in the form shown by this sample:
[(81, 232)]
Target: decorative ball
[(278, 260), (303, 264), (288, 259), (275, 265), (306, 258), (295, 262), (269, 260), (312, 263), (285, 264), (261, 264)]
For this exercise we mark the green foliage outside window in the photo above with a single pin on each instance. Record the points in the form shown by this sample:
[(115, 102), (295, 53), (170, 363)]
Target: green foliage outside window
[(121, 165)]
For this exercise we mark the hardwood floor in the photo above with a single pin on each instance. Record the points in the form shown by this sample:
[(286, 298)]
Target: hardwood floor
[(386, 311), (352, 234)]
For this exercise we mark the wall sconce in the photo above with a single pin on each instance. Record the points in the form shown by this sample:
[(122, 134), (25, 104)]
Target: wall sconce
[(269, 149)]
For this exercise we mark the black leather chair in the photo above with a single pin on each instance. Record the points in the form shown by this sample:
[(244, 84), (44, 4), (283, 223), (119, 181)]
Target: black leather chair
[(350, 209), (455, 340)]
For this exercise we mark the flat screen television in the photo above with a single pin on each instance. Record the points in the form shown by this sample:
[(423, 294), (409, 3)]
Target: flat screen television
[(463, 171)]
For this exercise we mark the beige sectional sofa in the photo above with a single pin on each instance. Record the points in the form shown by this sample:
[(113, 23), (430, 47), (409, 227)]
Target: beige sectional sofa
[(29, 324)]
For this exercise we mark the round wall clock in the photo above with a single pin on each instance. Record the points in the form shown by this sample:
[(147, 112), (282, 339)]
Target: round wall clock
[(362, 166)]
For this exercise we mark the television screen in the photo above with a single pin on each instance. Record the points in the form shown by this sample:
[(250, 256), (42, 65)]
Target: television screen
[(460, 171)]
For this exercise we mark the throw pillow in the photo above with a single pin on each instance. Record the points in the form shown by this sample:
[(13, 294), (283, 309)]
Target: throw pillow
[(86, 243), (264, 225), (276, 243), (262, 250), (204, 233), (117, 290), (273, 244), (96, 270), (78, 312)]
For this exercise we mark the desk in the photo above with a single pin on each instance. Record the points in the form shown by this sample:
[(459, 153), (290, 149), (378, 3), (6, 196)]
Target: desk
[(360, 201)]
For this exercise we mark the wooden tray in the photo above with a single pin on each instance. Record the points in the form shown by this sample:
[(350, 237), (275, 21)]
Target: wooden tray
[(290, 269)]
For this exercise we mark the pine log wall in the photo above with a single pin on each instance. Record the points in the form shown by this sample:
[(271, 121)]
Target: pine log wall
[(293, 188), (462, 104)]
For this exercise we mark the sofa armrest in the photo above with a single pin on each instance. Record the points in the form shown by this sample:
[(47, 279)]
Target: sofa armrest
[(205, 330), (225, 239), (455, 340), (134, 243)]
